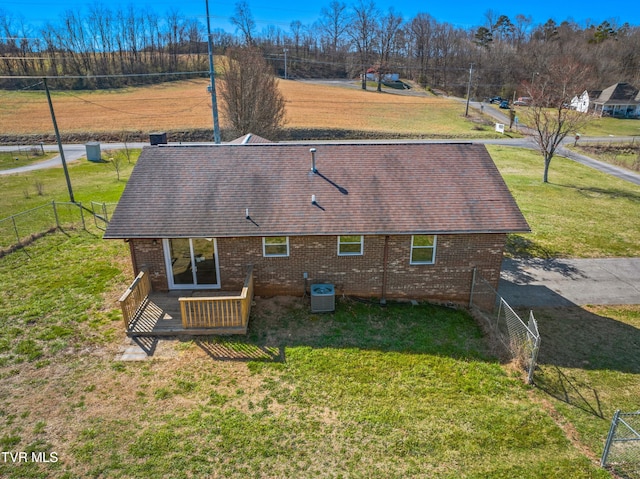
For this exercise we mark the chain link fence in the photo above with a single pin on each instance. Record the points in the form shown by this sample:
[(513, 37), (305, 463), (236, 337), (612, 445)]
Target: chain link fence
[(20, 229), (520, 339), (621, 453)]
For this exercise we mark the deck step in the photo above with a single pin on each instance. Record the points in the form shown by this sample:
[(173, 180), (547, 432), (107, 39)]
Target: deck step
[(188, 332)]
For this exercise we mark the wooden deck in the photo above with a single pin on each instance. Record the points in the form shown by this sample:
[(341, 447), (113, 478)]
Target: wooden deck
[(160, 315), (185, 312)]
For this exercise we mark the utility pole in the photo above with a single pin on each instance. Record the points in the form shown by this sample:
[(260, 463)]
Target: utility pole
[(212, 76), (57, 132), (285, 62), (466, 112)]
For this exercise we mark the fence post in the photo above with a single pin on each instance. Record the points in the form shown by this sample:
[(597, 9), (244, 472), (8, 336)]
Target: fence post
[(55, 213), (607, 446), (15, 228), (84, 226), (534, 359)]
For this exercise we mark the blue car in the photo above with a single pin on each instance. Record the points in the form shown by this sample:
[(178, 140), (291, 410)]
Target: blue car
[(504, 104)]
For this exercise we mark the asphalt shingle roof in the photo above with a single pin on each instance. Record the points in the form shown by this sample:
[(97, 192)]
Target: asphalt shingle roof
[(618, 93), (371, 188)]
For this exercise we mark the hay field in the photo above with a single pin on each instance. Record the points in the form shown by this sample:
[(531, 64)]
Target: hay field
[(186, 105)]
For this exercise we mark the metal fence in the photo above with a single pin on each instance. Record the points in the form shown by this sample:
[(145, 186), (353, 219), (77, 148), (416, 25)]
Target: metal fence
[(622, 450), (521, 340), (21, 229), (26, 152)]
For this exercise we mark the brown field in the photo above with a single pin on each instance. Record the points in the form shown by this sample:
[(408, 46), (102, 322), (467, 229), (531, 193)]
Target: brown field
[(186, 105)]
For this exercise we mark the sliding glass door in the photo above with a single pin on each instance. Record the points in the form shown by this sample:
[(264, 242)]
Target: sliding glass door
[(192, 263)]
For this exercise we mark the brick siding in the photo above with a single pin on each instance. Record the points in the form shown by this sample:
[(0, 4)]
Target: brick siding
[(448, 280)]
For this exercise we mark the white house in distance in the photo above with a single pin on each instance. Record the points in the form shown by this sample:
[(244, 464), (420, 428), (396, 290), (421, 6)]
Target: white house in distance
[(581, 102), (620, 100)]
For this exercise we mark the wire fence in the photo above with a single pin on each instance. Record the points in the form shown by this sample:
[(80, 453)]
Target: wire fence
[(19, 230), (520, 339), (621, 453)]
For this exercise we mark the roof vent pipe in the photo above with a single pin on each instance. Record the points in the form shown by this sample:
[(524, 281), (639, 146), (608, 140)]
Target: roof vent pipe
[(313, 160)]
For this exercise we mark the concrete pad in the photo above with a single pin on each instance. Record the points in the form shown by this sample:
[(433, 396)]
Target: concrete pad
[(561, 282), (133, 352)]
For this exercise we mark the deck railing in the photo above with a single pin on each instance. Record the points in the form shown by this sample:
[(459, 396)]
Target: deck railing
[(135, 297), (219, 312)]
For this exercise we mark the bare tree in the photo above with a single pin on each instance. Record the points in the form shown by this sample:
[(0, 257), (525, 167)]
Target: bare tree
[(251, 100), (421, 36), (387, 32), (243, 20), (549, 115), (362, 31), (333, 24), (116, 163)]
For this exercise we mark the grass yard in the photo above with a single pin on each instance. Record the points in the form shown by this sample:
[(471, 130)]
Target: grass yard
[(612, 127), (90, 181), (589, 367), (22, 157), (580, 213), (400, 391), (366, 392)]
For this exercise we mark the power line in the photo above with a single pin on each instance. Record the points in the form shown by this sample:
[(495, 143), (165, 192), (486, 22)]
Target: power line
[(114, 75)]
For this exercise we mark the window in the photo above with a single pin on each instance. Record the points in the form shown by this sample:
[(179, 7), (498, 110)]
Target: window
[(275, 246), (423, 249), (350, 245)]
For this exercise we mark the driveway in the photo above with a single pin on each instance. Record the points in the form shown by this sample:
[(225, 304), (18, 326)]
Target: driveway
[(536, 282)]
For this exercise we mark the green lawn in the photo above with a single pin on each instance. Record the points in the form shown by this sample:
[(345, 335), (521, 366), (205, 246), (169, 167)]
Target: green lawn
[(612, 127), (90, 182), (22, 157), (395, 392), (589, 366), (579, 213)]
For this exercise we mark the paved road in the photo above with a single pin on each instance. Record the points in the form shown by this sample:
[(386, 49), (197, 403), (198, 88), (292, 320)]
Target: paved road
[(535, 282), (527, 142), (71, 153)]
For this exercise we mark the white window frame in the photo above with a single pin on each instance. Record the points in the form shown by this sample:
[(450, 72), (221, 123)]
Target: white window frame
[(433, 247), (264, 247), (361, 243)]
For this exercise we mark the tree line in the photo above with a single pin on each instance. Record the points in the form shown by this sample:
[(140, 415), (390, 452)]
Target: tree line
[(106, 48)]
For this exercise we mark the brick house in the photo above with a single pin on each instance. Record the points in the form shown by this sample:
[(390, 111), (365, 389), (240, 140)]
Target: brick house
[(383, 220)]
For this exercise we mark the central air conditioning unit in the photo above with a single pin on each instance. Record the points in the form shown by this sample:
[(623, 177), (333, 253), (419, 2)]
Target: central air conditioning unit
[(323, 298)]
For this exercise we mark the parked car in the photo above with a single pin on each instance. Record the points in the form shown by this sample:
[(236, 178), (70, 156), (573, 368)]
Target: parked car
[(523, 101), (495, 99), (504, 104)]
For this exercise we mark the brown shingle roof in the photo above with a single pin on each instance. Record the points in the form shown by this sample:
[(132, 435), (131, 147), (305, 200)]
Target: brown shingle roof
[(204, 191), (618, 93), (249, 138)]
